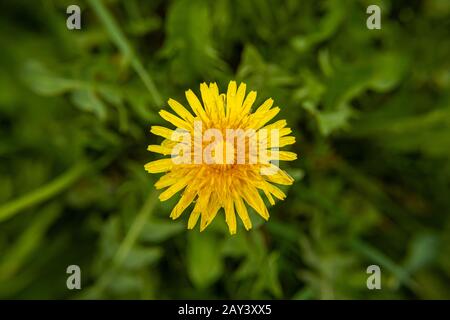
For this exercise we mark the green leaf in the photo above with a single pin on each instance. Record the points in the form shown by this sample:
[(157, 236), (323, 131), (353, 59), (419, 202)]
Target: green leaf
[(271, 273), (43, 193), (384, 261), (423, 250), (119, 39), (333, 120), (158, 231), (139, 257), (204, 259), (389, 68), (87, 100), (324, 29), (125, 283), (189, 40), (28, 241), (44, 82)]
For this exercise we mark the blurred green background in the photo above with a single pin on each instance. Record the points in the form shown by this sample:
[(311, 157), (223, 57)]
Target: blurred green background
[(370, 110)]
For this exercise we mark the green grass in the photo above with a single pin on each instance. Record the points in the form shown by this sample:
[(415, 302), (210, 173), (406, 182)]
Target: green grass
[(370, 110)]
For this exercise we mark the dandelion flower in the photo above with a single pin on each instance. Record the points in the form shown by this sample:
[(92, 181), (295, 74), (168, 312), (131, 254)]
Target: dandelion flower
[(216, 172)]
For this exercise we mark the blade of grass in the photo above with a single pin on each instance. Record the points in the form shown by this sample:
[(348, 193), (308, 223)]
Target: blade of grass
[(121, 42), (18, 252), (135, 229), (383, 260), (127, 244), (43, 193), (54, 187)]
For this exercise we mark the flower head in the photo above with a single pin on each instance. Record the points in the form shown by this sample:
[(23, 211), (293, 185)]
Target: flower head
[(221, 155)]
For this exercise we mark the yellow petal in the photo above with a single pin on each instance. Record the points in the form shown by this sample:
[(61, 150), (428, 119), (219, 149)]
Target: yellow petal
[(220, 103), (193, 218), (159, 149), (252, 197), (214, 89), (181, 110), (248, 102), (280, 124), (282, 155), (285, 131), (242, 212), (230, 216), (280, 177), (169, 192), (282, 142), (207, 101), (264, 118), (210, 213), (265, 106), (231, 93), (185, 201), (275, 191), (162, 132), (161, 165), (240, 95), (177, 122), (196, 106), (166, 181), (269, 196)]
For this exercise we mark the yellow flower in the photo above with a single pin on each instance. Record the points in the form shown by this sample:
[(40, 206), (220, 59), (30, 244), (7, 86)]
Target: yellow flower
[(216, 172)]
